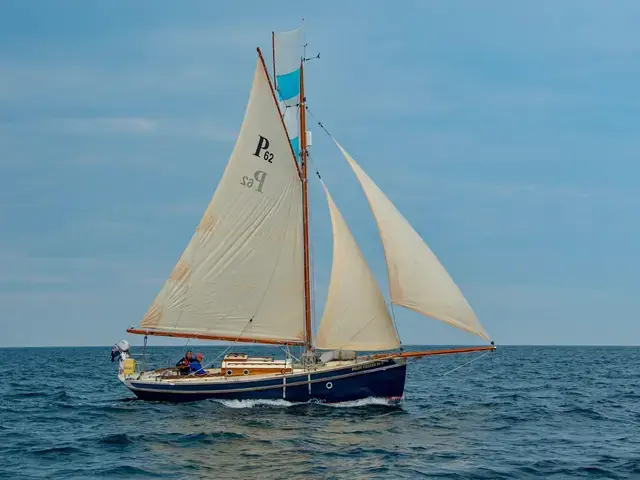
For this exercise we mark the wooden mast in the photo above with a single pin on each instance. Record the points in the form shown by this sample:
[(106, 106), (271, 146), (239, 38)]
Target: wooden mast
[(305, 213)]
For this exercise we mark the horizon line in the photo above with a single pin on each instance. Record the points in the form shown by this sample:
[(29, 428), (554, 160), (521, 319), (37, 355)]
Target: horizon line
[(251, 345)]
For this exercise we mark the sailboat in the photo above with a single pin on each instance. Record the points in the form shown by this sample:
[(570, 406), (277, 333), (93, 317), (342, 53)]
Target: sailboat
[(245, 274)]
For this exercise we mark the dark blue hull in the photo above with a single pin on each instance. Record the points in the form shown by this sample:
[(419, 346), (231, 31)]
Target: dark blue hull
[(381, 378)]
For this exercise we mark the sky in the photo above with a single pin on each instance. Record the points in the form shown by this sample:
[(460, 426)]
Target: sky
[(505, 132)]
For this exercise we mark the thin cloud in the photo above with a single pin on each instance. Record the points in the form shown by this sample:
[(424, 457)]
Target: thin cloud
[(202, 128), (105, 125), (195, 41), (21, 279)]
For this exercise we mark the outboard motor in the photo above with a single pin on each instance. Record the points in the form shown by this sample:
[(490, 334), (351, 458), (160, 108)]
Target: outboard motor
[(126, 364), (120, 349)]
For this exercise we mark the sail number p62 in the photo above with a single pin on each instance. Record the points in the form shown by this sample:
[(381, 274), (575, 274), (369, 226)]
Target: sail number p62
[(263, 144), (257, 182)]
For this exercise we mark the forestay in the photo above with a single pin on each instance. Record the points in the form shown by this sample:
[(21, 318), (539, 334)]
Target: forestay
[(355, 315), (417, 279), (241, 275)]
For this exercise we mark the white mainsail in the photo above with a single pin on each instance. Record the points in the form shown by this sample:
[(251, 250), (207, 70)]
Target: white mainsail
[(355, 315), (241, 275), (417, 280)]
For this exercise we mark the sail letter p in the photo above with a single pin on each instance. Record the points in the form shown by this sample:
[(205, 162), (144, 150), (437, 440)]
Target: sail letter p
[(263, 144), (259, 177)]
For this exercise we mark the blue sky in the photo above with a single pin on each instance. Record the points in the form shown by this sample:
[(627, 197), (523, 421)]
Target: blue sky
[(506, 133)]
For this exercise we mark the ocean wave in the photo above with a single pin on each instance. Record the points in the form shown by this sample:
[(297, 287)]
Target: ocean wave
[(127, 471), (56, 451), (509, 420), (117, 439)]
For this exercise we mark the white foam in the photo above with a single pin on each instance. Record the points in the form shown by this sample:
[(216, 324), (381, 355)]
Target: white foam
[(254, 403), (363, 402)]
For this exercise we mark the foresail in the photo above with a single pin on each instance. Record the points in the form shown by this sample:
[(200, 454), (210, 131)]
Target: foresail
[(417, 280), (241, 275), (355, 314), (287, 50)]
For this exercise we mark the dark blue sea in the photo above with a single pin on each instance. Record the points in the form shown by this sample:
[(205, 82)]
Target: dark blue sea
[(521, 412)]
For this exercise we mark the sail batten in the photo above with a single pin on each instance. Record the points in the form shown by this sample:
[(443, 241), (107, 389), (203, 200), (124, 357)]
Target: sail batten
[(417, 279), (355, 316), (240, 276)]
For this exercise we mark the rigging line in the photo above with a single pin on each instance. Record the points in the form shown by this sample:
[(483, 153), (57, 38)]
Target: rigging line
[(325, 131), (312, 277), (395, 326), (287, 351), (228, 348), (318, 122), (311, 163), (466, 363)]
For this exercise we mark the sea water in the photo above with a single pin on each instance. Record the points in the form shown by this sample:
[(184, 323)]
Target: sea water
[(521, 412)]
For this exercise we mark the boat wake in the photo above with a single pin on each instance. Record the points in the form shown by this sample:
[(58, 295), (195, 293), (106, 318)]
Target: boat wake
[(363, 402), (254, 403), (367, 402)]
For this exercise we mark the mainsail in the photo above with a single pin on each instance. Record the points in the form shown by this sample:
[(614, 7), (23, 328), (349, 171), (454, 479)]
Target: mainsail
[(241, 275), (355, 315), (417, 280)]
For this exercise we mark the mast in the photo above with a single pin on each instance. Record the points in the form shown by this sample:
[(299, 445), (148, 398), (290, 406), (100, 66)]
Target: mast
[(305, 212)]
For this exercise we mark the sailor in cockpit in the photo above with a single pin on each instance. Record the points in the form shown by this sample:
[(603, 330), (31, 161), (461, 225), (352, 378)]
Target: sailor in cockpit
[(184, 362)]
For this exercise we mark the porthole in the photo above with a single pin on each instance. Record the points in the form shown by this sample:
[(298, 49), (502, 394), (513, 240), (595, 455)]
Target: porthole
[(229, 373), (329, 385), (246, 372)]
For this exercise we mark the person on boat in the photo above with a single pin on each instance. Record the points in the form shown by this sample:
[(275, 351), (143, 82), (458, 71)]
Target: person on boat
[(184, 362), (195, 365)]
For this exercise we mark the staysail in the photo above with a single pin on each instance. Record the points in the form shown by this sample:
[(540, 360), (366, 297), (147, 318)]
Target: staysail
[(241, 275), (287, 54), (417, 280), (355, 315)]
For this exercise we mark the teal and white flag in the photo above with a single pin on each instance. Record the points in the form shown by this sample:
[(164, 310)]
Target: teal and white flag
[(288, 50)]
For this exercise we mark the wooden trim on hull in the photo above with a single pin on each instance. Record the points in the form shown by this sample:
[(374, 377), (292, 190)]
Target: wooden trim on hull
[(202, 336), (252, 372)]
